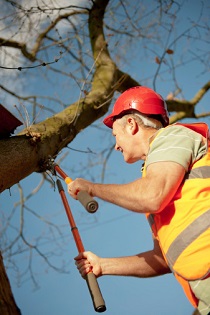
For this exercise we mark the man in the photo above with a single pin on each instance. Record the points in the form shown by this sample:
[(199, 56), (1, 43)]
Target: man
[(174, 194)]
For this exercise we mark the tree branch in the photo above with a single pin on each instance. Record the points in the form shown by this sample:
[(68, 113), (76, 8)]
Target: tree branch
[(22, 46), (186, 109)]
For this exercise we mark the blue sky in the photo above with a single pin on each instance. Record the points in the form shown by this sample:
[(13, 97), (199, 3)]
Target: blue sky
[(110, 232)]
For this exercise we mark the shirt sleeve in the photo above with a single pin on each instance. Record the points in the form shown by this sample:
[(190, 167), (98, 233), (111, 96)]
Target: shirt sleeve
[(177, 144)]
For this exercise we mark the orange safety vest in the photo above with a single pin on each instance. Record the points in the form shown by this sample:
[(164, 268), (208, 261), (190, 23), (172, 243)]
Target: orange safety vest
[(183, 226)]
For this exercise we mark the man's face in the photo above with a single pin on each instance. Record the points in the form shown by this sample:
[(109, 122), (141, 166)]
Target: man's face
[(127, 140)]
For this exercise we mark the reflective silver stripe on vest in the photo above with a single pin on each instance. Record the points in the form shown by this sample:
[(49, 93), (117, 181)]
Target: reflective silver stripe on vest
[(186, 237), (199, 172)]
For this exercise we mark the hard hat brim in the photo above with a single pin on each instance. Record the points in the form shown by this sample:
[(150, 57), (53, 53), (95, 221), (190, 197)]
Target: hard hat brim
[(108, 121)]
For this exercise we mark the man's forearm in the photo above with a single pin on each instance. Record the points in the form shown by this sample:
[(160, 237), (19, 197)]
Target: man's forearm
[(143, 265), (132, 196), (144, 195)]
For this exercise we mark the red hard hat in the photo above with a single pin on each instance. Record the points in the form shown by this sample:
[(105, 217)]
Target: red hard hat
[(141, 98)]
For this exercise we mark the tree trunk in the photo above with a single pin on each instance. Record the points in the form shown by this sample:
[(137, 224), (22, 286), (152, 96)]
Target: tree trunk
[(7, 302)]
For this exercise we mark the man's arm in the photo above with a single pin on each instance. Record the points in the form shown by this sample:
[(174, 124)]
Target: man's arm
[(144, 265), (145, 195)]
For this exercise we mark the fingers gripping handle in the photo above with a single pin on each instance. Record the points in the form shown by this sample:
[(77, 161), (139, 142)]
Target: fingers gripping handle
[(98, 301), (84, 198)]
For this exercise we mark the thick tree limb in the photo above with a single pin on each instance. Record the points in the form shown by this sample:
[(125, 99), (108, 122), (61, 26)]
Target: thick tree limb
[(7, 302), (186, 109), (32, 147)]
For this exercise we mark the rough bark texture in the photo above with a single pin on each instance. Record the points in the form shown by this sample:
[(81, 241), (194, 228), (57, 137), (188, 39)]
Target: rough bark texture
[(7, 302), (29, 151)]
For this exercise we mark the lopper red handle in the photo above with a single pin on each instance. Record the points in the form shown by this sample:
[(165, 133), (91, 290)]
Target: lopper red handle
[(84, 198), (95, 293)]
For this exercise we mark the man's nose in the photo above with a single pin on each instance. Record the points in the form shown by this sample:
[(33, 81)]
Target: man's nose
[(116, 147)]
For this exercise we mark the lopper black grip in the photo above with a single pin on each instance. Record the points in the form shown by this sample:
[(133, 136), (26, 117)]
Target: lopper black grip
[(98, 301), (87, 201)]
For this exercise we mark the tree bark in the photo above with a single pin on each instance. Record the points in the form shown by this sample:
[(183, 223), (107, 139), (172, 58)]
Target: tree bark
[(7, 302), (29, 151)]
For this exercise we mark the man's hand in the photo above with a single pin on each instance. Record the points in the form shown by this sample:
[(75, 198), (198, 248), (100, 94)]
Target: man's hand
[(79, 184), (88, 262)]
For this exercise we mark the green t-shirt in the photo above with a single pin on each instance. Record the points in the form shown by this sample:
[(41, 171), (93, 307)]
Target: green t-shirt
[(177, 144)]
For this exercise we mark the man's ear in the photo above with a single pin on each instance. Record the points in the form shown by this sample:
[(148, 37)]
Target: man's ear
[(132, 125)]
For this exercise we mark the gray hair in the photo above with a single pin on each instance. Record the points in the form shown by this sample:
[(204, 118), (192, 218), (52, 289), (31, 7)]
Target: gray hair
[(141, 119)]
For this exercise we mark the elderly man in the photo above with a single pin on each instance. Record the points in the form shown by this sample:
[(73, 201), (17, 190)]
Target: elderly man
[(173, 193)]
